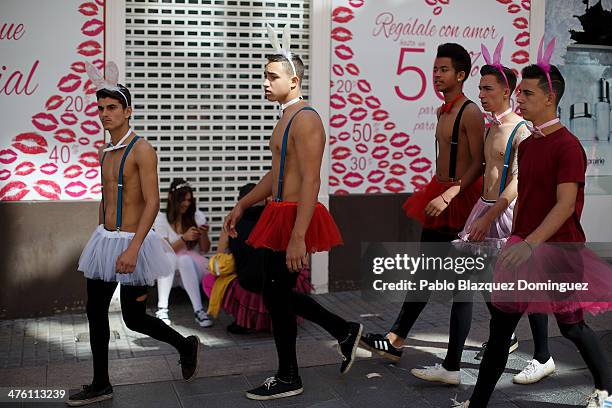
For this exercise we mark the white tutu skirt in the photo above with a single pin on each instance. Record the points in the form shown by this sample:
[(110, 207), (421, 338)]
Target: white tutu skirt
[(497, 236), (156, 258)]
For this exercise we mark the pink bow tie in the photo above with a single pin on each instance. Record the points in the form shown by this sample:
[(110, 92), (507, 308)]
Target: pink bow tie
[(537, 131), (494, 119)]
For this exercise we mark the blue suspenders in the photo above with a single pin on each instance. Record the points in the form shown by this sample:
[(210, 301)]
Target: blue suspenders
[(119, 183), (281, 173), (508, 153)]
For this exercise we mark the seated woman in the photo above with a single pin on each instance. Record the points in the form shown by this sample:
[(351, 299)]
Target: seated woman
[(239, 297), (185, 227)]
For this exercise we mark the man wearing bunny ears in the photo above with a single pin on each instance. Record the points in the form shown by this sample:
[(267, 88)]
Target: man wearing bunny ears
[(123, 249), (292, 226), (550, 201)]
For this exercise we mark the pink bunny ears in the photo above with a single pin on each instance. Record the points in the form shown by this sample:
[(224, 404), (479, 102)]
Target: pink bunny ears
[(109, 82), (496, 60), (544, 59)]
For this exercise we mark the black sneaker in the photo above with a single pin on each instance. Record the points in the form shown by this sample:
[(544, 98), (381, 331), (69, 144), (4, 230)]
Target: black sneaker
[(511, 349), (235, 328), (89, 395), (274, 388), (189, 361), (380, 345), (348, 346)]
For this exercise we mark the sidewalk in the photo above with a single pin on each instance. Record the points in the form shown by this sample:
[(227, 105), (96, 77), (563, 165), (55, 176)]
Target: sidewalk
[(54, 352)]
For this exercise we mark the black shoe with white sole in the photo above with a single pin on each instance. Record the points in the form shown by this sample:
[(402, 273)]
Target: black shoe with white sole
[(90, 395), (511, 349), (274, 388), (189, 360), (348, 347), (380, 345)]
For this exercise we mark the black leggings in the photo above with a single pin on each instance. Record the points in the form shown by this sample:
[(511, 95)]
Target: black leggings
[(283, 304), (133, 307), (496, 353)]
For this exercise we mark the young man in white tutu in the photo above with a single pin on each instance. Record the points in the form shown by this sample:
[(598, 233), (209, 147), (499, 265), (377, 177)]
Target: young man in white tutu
[(123, 249)]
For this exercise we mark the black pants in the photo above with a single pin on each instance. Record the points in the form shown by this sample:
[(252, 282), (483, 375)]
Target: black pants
[(283, 304), (133, 307), (461, 315), (496, 353)]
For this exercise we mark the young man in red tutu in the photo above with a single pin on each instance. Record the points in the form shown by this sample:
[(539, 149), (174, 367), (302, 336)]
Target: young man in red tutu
[(443, 206), (552, 167), (292, 226)]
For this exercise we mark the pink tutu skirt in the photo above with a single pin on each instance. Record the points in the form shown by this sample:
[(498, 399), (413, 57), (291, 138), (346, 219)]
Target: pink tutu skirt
[(558, 278)]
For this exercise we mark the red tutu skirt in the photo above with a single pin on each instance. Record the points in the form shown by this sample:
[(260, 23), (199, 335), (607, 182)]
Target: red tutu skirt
[(273, 230), (454, 216), (557, 278)]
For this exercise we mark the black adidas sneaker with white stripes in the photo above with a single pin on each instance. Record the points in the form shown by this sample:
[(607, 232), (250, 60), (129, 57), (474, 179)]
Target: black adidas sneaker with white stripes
[(379, 344)]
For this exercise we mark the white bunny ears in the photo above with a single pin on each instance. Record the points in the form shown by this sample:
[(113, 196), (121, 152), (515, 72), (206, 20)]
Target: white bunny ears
[(109, 82), (285, 50)]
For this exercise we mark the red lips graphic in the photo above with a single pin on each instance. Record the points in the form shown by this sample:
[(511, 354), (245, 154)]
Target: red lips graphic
[(25, 168), (418, 181), (341, 191), (522, 39), (358, 114), (69, 119), (98, 63), (344, 136), (373, 190), (394, 185), (7, 156), (30, 143), (504, 1), (355, 99), (420, 165), (520, 57), (361, 148), (342, 15), (48, 168), (364, 86), (397, 169), (380, 115), (352, 179), (54, 102), (5, 174), (372, 102), (69, 83), (513, 8), (90, 127), (356, 3), (75, 189), (389, 126), (340, 153), (337, 102), (397, 155), (341, 34), (44, 122), (48, 189), (526, 4), (383, 164), (380, 138), (91, 174), (8, 193), (412, 151), (338, 168), (91, 109), (352, 69), (88, 9), (399, 139), (344, 52), (334, 181), (73, 171), (337, 121), (83, 141), (376, 176), (65, 136), (338, 70), (89, 159), (98, 144), (78, 67), (92, 27), (380, 152), (521, 23), (333, 140), (96, 189), (89, 88), (89, 48)]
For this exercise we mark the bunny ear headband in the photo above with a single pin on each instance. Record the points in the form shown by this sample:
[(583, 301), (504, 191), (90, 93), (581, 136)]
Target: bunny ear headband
[(496, 60), (285, 50), (544, 59), (110, 82)]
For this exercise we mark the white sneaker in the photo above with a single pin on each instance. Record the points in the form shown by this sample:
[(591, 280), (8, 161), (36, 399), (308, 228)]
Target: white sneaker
[(599, 399), (457, 404), (162, 314), (202, 318), (437, 373), (534, 372)]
